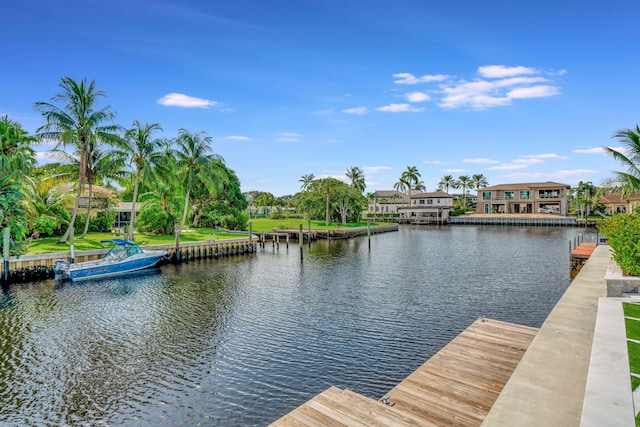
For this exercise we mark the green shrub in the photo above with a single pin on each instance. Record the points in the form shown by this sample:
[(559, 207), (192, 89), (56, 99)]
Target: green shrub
[(153, 219), (623, 232), (45, 226)]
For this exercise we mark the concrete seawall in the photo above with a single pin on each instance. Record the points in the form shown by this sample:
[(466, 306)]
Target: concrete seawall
[(548, 386)]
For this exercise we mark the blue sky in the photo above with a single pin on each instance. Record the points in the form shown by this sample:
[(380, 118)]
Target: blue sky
[(516, 91)]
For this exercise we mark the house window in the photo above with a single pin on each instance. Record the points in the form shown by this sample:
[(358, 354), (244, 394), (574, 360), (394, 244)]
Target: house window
[(508, 195), (422, 201), (430, 202), (486, 195), (524, 194)]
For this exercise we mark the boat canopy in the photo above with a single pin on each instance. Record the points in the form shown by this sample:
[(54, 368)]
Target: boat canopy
[(118, 242)]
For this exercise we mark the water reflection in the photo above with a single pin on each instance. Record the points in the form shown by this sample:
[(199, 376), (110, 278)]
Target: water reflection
[(243, 340)]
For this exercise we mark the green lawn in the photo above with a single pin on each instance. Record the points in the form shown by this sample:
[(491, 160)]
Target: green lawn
[(262, 225), (631, 310), (92, 240)]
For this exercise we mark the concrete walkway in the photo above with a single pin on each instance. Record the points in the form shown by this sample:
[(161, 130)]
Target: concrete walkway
[(548, 386)]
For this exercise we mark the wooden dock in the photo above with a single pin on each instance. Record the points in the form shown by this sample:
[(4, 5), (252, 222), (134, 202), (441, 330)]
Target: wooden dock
[(579, 256), (456, 387)]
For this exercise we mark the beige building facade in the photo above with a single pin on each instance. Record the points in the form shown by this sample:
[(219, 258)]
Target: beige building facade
[(524, 198)]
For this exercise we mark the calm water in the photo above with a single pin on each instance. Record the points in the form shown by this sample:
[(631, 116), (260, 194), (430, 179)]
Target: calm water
[(243, 341)]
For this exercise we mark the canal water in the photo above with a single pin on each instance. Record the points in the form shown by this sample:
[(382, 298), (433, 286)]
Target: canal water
[(244, 340)]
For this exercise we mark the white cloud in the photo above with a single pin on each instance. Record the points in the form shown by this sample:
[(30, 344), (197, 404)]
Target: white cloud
[(417, 97), (453, 170), (502, 71), (545, 156), (44, 157), (540, 91), (524, 161), (399, 108), (371, 170), (238, 138), (410, 79), (480, 160), (182, 100), (508, 166), (596, 150), (289, 137), (356, 110)]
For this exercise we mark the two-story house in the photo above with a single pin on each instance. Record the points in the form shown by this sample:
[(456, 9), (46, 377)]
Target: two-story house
[(428, 207), (386, 203), (527, 198)]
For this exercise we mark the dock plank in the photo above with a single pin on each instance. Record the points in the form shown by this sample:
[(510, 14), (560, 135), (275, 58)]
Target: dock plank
[(456, 387)]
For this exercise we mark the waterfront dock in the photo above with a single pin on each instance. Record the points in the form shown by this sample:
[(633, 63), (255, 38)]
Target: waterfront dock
[(455, 387)]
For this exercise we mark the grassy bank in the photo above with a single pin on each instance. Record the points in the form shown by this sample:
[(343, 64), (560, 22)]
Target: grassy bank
[(92, 240)]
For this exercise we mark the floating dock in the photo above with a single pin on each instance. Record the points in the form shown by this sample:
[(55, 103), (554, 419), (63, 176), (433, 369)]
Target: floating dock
[(456, 387)]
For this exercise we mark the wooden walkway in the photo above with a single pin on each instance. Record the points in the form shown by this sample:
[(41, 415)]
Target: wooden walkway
[(456, 387)]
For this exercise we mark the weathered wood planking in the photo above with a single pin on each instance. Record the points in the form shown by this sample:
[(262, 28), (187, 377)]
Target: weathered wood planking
[(456, 387)]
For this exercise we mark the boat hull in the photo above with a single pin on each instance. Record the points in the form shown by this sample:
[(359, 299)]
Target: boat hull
[(104, 269)]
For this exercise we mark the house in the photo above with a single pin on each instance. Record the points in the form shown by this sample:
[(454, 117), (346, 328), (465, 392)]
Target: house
[(387, 203), (428, 207), (525, 198), (123, 214), (614, 203)]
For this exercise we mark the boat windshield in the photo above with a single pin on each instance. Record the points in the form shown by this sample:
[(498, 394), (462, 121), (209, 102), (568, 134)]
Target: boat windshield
[(120, 252)]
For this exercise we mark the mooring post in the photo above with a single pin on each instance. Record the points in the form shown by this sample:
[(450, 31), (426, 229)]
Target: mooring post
[(6, 253), (72, 254), (250, 241), (309, 235), (177, 243), (301, 244), (369, 233)]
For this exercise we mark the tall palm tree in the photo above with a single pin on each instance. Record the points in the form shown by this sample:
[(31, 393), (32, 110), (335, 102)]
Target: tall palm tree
[(403, 185), (420, 186), (628, 182), (446, 182), (77, 122), (306, 181), (196, 159), (143, 151), (464, 182), (356, 176), (105, 165), (411, 179)]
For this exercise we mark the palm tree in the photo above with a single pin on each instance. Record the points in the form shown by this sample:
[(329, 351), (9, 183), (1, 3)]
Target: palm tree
[(306, 181), (196, 160), (628, 182), (446, 182), (402, 185), (409, 179), (479, 181), (356, 176), (463, 181), (17, 157), (102, 164), (420, 186), (77, 123), (143, 151)]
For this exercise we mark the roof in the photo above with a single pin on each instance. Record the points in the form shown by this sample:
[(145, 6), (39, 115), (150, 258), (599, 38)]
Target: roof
[(617, 198), (433, 195), (526, 186)]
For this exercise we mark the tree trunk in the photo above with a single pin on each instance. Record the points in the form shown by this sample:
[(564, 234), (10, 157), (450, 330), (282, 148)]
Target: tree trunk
[(132, 223), (186, 208), (65, 237), (86, 222), (326, 221)]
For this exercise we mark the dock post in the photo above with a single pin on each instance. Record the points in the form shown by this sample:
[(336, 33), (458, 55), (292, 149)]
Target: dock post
[(6, 254), (177, 243), (369, 233), (72, 253), (309, 235), (250, 236), (301, 244)]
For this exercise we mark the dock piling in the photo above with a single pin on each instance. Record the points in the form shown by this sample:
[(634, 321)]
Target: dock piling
[(6, 253)]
